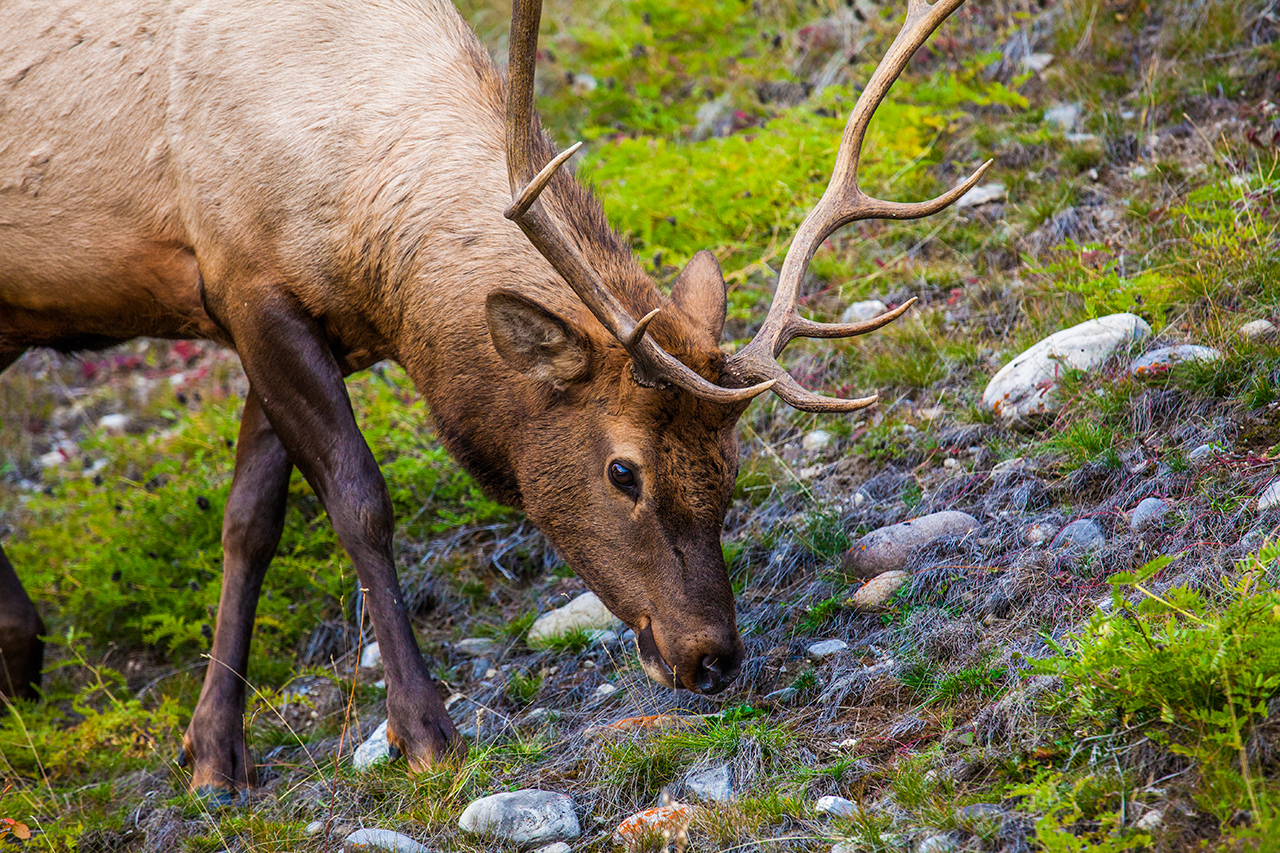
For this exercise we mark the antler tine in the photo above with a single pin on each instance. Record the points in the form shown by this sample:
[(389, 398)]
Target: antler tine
[(843, 202), (652, 364)]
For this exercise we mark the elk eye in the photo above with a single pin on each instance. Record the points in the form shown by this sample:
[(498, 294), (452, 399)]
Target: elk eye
[(623, 477)]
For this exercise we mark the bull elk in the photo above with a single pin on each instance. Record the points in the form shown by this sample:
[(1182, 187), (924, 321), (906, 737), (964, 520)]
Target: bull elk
[(323, 185)]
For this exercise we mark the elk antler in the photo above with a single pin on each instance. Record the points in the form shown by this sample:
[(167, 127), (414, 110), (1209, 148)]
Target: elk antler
[(651, 364), (842, 203)]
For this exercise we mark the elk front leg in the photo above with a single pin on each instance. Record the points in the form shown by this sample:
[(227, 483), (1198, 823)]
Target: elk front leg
[(214, 743), (300, 384), (21, 649)]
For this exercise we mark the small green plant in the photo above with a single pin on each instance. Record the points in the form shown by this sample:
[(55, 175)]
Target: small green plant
[(523, 687)]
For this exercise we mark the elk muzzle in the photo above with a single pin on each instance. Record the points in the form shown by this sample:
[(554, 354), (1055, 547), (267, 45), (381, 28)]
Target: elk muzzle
[(703, 661)]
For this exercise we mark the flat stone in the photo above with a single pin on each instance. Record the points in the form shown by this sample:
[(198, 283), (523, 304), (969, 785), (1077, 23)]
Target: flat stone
[(374, 750), (477, 647), (984, 194), (711, 784), (826, 648), (1161, 361), (890, 548), (1021, 393), (1148, 513), (838, 806), (1270, 497), (584, 613), (528, 816), (1083, 534), (876, 593), (867, 309), (371, 657), (1259, 330), (1063, 116), (314, 828), (1203, 455), (381, 839)]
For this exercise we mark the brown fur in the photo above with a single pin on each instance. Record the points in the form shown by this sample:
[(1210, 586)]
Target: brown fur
[(321, 185)]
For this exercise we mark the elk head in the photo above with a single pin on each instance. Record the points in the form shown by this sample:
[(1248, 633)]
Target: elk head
[(653, 450)]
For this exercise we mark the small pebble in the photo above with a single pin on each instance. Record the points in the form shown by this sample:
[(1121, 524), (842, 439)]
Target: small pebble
[(826, 648), (371, 656), (1258, 330), (876, 593), (838, 806), (1147, 513), (363, 840)]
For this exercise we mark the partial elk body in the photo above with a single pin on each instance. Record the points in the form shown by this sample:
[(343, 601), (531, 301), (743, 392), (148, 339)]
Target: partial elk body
[(322, 185)]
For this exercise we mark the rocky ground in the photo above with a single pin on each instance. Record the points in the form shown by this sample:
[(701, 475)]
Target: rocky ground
[(1079, 419)]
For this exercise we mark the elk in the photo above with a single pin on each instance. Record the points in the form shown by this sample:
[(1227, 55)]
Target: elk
[(324, 185)]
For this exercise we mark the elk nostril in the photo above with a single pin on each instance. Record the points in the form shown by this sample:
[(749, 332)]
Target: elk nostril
[(710, 675)]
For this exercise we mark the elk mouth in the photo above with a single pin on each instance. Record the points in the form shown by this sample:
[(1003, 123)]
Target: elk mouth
[(655, 665)]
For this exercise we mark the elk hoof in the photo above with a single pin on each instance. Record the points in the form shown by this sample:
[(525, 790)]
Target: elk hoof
[(182, 756)]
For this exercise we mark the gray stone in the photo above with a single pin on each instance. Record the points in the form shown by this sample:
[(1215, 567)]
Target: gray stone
[(374, 750), (371, 656), (876, 593), (1021, 393), (867, 309), (1083, 534), (477, 647), (826, 648), (979, 816), (1203, 455), (1259, 330), (1150, 821), (528, 816), (1270, 497), (381, 839), (314, 828), (113, 423), (984, 194), (838, 806), (1161, 361), (890, 548), (586, 612), (1063, 116), (1149, 512), (937, 844), (711, 784)]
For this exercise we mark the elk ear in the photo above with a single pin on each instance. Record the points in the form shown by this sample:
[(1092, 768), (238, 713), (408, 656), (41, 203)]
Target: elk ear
[(536, 342), (700, 292)]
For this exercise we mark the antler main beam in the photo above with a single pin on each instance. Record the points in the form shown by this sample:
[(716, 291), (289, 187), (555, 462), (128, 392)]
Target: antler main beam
[(842, 203), (651, 364)]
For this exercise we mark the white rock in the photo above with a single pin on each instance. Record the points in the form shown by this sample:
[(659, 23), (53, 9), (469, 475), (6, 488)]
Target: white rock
[(528, 816), (838, 806), (113, 423), (1063, 116), (314, 828), (875, 593), (826, 648), (1148, 512), (558, 847), (374, 750), (381, 839), (1139, 171), (1150, 821), (583, 613), (982, 195), (1084, 139), (371, 657), (890, 548), (1258, 330), (867, 309), (1037, 61), (477, 647), (816, 441), (1160, 361), (1203, 455), (711, 784), (1270, 497), (52, 459), (606, 689), (1022, 391)]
